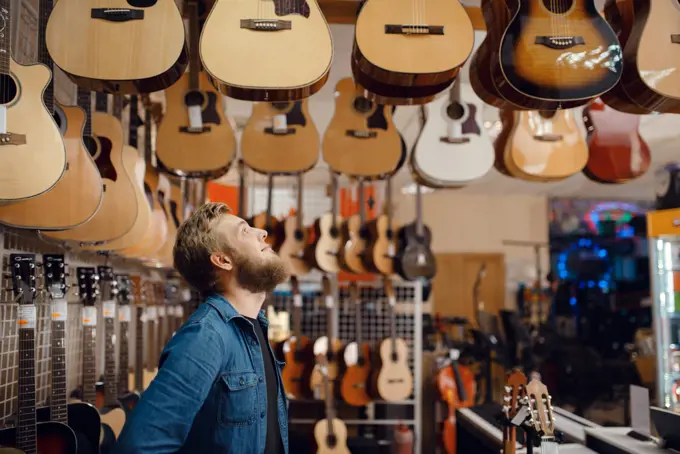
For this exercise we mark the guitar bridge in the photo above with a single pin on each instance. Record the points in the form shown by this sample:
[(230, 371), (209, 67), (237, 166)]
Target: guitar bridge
[(266, 25), (361, 134), (548, 137), (279, 132), (455, 140), (117, 14), (10, 138), (412, 29), (190, 130), (560, 42)]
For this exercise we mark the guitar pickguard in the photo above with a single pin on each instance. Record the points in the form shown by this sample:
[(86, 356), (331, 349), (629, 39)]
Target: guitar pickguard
[(210, 114), (103, 161), (377, 120), (470, 126), (286, 7), (296, 116)]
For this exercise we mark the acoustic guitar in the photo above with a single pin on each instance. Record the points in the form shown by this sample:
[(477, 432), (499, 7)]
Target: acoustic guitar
[(265, 221), (453, 148), (414, 258), (356, 366), (322, 251), (295, 238), (514, 390), (361, 139), (164, 255), (35, 159), (195, 138), (617, 152), (381, 245), (280, 138), (392, 378), (326, 350), (539, 402), (112, 46), (284, 53), (354, 234), (330, 433), (297, 351), (30, 436)]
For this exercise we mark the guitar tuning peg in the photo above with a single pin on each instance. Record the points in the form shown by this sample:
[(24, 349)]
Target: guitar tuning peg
[(508, 389)]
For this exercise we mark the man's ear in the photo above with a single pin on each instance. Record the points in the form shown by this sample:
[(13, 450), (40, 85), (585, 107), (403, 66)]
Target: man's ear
[(222, 261)]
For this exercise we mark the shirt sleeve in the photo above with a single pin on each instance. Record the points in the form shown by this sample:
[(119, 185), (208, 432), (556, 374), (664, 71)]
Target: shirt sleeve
[(161, 420)]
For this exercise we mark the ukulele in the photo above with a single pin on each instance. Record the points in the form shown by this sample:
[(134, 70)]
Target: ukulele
[(414, 258), (380, 250), (513, 391), (280, 138), (30, 436), (112, 46), (542, 419), (297, 352), (322, 251), (295, 238), (284, 53), (356, 360), (330, 433), (617, 152), (265, 221), (453, 147), (361, 139), (392, 379), (354, 233), (195, 138), (326, 349)]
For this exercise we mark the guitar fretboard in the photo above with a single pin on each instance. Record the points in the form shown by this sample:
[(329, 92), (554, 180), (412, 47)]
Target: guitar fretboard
[(89, 364), (123, 358), (84, 100), (110, 379), (26, 424), (58, 402), (139, 349), (43, 54), (5, 37)]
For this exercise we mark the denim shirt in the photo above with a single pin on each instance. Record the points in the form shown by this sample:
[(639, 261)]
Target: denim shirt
[(209, 395)]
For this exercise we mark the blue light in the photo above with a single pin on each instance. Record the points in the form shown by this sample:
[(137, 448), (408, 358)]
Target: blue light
[(591, 284), (572, 301), (603, 284), (602, 253)]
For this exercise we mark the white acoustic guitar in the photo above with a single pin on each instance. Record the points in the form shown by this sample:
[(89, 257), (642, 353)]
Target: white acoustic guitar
[(453, 148)]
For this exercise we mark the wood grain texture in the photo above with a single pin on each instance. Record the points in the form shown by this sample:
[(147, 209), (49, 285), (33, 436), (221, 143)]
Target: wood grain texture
[(321, 432), (118, 57), (393, 379), (299, 359), (74, 199), (33, 168), (354, 380), (206, 155), (284, 65)]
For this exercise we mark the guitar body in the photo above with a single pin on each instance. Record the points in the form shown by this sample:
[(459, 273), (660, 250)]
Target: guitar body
[(114, 418), (118, 212), (77, 195), (361, 139), (449, 438), (157, 232), (337, 444), (52, 438), (449, 151), (38, 158), (355, 377), (617, 152), (114, 56), (414, 258), (85, 422), (354, 235), (534, 71), (381, 247), (299, 359), (507, 118), (412, 59), (164, 255), (316, 380), (541, 148), (184, 153), (287, 65), (293, 247), (328, 241), (393, 380), (273, 227)]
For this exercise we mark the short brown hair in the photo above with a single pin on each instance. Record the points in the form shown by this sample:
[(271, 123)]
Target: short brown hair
[(196, 240)]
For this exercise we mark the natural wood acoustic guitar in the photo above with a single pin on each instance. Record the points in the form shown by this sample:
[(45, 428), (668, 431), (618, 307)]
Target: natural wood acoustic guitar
[(381, 244), (295, 238), (361, 139), (35, 157), (354, 233), (330, 433), (326, 349), (280, 138), (356, 366), (298, 352), (286, 45), (164, 255), (195, 138), (112, 46), (322, 251)]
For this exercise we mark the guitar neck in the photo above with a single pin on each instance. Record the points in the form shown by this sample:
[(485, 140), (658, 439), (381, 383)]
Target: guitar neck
[(139, 349), (133, 137), (5, 37), (123, 358), (58, 401), (298, 219), (270, 191), (101, 102), (420, 231), (26, 424), (89, 364), (362, 205), (84, 102), (194, 39), (149, 155), (43, 54), (388, 205), (454, 94), (334, 197), (242, 190), (393, 328)]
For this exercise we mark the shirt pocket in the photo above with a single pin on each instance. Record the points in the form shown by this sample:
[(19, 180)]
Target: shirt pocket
[(238, 402)]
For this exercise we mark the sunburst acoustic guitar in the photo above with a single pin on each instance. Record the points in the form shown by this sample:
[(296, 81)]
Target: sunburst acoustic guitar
[(285, 45), (356, 359), (195, 138)]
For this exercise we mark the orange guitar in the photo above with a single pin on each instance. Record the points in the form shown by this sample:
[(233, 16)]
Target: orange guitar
[(356, 356), (298, 352), (513, 390), (456, 385)]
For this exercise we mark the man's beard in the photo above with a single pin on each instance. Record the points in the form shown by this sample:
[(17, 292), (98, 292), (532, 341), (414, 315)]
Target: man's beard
[(259, 276)]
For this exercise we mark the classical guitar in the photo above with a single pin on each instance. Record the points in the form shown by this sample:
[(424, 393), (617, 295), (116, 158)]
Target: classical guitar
[(354, 233), (295, 238), (356, 365), (414, 258), (195, 138), (545, 145), (111, 46), (392, 377), (543, 420), (297, 352), (125, 396), (322, 251), (77, 195), (361, 139), (82, 418), (453, 148), (381, 246), (616, 151), (280, 137), (265, 221), (330, 433), (543, 34), (285, 45), (326, 349), (514, 389), (30, 436)]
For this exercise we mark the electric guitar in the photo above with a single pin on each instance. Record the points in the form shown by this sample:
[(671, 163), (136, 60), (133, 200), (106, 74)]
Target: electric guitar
[(514, 390), (414, 258), (326, 350), (356, 366), (111, 46), (296, 235), (354, 233), (322, 251), (195, 138), (284, 53), (297, 352), (330, 433), (381, 245)]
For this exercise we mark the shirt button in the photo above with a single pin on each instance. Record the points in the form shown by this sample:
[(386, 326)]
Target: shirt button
[(254, 343), (262, 415), (242, 382), (260, 379)]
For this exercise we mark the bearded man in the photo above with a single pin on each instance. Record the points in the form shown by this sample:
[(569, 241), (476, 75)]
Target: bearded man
[(218, 387)]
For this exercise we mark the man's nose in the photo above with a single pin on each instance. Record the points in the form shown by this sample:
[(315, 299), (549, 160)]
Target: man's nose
[(262, 234)]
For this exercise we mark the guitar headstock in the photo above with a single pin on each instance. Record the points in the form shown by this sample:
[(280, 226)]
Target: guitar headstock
[(109, 286), (136, 289), (55, 275), (23, 277), (124, 286), (514, 390), (88, 285), (539, 401)]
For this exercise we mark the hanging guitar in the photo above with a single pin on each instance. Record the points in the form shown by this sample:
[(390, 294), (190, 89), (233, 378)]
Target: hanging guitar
[(356, 366), (297, 351), (414, 258), (326, 349)]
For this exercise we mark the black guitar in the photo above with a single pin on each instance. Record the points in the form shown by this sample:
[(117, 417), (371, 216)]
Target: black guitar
[(82, 418), (29, 436), (414, 258)]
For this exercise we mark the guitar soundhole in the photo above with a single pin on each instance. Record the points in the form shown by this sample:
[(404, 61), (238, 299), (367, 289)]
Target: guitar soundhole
[(362, 105), (558, 7), (455, 111), (331, 441), (281, 106), (335, 232), (8, 89), (395, 357), (547, 114), (299, 235), (194, 98), (363, 233), (389, 234), (360, 361)]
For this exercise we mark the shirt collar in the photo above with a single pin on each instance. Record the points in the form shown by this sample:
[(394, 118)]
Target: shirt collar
[(227, 311)]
